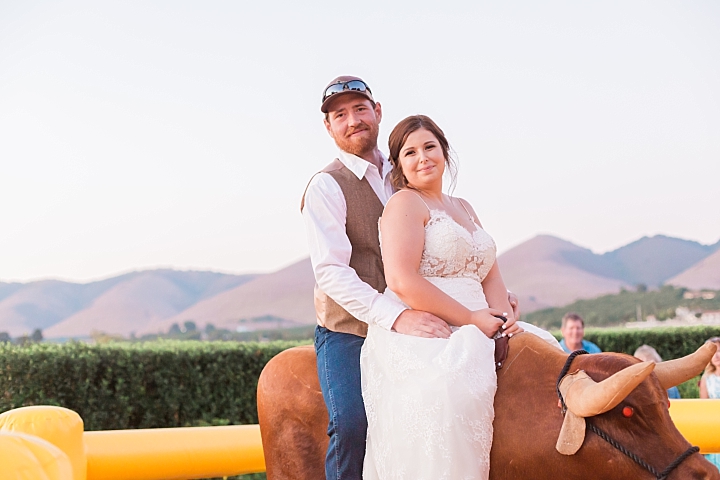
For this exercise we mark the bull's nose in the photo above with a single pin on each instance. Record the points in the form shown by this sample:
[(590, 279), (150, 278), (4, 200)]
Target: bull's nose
[(695, 467), (711, 473)]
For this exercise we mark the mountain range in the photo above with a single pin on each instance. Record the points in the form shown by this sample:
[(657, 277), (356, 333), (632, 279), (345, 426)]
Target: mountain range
[(544, 271), (121, 304)]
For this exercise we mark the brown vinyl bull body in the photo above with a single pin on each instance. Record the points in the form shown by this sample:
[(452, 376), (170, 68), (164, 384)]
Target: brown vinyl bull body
[(293, 421)]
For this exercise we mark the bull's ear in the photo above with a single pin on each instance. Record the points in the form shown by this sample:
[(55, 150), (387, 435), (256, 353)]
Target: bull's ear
[(572, 434), (585, 398), (675, 372)]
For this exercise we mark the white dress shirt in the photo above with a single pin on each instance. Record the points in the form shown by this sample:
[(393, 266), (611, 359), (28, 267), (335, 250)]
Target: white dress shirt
[(325, 212)]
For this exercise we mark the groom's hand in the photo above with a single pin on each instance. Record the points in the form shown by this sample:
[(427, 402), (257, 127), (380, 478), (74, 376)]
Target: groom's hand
[(421, 324), (514, 304)]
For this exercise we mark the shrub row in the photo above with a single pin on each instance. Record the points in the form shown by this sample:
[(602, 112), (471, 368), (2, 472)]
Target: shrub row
[(139, 385), (670, 342), (618, 308), (174, 383)]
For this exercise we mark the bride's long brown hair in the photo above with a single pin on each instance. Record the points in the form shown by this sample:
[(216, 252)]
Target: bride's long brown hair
[(399, 136)]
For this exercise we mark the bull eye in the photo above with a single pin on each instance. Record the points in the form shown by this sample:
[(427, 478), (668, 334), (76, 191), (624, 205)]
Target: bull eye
[(628, 412)]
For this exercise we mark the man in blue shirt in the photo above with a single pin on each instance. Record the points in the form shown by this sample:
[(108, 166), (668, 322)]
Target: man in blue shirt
[(573, 331)]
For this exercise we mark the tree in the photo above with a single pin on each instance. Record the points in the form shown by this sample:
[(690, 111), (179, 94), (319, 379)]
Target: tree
[(189, 326), (5, 337), (101, 338), (36, 336)]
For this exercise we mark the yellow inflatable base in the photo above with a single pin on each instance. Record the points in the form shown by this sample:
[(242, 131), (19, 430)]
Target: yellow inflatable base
[(48, 443), (699, 422), (174, 453), (27, 457)]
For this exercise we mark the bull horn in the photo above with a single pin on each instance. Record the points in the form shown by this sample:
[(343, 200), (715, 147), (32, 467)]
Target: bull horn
[(675, 372), (585, 397)]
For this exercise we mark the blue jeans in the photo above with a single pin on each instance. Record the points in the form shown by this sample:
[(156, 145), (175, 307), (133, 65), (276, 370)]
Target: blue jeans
[(338, 363)]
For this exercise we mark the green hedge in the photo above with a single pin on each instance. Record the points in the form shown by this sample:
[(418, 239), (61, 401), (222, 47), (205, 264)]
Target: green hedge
[(670, 343), (139, 385), (174, 383)]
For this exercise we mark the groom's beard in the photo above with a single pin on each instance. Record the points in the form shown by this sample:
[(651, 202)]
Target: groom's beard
[(361, 145)]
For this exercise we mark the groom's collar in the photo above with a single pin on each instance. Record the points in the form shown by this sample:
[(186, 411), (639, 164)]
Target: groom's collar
[(358, 166)]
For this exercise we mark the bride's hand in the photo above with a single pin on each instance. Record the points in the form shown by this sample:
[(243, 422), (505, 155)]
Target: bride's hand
[(487, 320), (511, 327)]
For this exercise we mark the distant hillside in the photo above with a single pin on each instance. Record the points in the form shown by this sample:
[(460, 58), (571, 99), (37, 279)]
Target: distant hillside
[(7, 289), (650, 260), (619, 308), (63, 309), (704, 274), (41, 304), (540, 274), (286, 294)]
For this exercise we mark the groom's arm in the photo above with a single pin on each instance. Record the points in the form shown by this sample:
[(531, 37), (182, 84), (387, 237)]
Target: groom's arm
[(324, 214)]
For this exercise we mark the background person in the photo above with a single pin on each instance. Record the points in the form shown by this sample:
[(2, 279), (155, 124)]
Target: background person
[(710, 380), (646, 353), (573, 331), (710, 387)]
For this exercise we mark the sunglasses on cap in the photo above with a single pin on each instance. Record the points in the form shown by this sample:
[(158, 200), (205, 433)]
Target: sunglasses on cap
[(352, 85), (713, 340)]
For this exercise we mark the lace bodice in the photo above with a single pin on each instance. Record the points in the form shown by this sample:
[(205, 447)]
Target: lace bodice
[(452, 251)]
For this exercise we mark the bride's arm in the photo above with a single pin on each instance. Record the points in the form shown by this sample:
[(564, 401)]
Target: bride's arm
[(403, 237), (496, 295), (494, 288)]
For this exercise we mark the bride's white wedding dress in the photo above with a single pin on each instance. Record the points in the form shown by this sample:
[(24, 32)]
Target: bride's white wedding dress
[(429, 401)]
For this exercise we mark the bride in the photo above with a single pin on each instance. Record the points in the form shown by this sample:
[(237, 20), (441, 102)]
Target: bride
[(429, 401)]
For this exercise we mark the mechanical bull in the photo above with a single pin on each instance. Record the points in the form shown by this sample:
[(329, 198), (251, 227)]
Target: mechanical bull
[(557, 416)]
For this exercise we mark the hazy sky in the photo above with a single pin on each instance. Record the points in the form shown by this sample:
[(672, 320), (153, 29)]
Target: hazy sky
[(182, 134)]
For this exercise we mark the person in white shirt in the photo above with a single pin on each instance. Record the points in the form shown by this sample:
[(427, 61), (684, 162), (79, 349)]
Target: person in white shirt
[(341, 207)]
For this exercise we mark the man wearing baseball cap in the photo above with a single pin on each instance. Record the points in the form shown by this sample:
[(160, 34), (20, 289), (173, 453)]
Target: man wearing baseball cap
[(341, 207)]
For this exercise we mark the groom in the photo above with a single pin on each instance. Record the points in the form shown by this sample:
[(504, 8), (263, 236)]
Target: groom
[(341, 207)]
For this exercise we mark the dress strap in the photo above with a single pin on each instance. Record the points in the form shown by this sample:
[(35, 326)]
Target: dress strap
[(416, 193), (472, 219)]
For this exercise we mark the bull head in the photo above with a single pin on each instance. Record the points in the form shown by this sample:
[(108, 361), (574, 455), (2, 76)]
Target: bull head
[(585, 398)]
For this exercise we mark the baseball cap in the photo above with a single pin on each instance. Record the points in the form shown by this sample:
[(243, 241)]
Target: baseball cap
[(343, 85)]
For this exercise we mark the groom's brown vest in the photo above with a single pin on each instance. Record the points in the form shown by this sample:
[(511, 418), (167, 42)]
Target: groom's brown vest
[(361, 225)]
